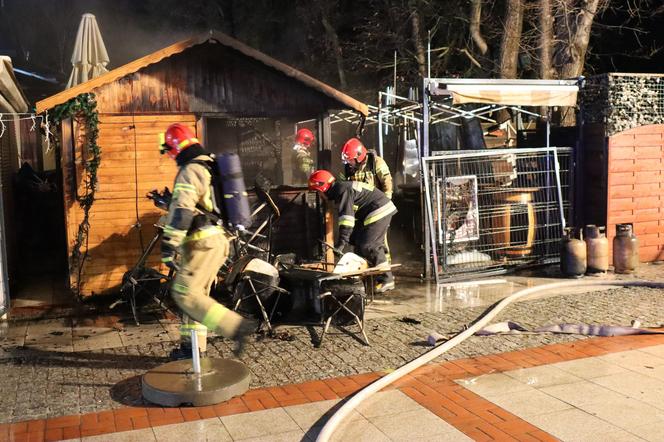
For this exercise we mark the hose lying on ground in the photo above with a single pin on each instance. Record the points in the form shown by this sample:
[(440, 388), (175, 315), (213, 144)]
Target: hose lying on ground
[(386, 380)]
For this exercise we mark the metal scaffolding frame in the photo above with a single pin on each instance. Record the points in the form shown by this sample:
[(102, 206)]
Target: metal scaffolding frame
[(435, 105)]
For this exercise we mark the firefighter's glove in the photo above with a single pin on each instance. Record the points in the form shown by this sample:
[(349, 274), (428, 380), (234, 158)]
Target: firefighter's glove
[(168, 254)]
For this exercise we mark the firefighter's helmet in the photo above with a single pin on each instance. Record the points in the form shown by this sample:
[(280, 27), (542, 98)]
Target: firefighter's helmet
[(353, 152), (304, 137), (176, 138), (321, 181)]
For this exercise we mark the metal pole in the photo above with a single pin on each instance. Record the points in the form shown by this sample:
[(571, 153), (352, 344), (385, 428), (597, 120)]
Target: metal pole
[(429, 55), (196, 356), (431, 242), (380, 124), (425, 153), (556, 165), (394, 80)]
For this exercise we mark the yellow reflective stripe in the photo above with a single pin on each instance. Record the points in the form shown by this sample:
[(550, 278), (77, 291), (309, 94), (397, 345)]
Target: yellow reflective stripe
[(360, 186), (180, 288), (214, 316), (195, 326), (228, 195), (379, 213), (347, 220), (185, 143), (167, 259), (174, 233), (185, 187), (355, 207), (205, 232), (162, 138)]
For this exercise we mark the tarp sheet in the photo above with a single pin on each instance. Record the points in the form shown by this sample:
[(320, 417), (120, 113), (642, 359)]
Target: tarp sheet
[(12, 99), (512, 95), (510, 92)]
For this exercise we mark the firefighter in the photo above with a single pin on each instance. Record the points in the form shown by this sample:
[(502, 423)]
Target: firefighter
[(200, 243), (364, 215), (304, 139), (366, 166)]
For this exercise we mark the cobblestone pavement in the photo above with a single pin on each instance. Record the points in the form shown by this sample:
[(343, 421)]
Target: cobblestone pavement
[(47, 383)]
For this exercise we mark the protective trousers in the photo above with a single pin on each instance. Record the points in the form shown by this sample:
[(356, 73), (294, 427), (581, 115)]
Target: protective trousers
[(371, 243), (200, 262)]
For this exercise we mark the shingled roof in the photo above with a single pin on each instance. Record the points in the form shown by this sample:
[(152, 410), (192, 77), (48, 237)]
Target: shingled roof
[(181, 46)]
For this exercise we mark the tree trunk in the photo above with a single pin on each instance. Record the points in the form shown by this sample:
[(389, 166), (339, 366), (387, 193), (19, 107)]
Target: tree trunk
[(420, 53), (475, 32), (509, 47), (573, 26), (333, 38), (575, 32), (546, 39)]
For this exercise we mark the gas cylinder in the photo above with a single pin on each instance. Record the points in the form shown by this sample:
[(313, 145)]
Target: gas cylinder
[(625, 249), (597, 249), (572, 254)]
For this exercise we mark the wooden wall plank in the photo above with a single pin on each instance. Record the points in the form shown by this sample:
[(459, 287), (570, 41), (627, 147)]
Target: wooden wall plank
[(127, 172)]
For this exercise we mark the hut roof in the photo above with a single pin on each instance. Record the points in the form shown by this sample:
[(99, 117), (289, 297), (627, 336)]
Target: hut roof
[(183, 45)]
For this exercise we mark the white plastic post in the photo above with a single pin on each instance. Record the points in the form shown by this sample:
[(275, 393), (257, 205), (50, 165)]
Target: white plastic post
[(196, 356)]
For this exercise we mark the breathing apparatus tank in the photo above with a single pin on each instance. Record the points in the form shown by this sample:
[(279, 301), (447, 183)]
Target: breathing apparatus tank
[(231, 190)]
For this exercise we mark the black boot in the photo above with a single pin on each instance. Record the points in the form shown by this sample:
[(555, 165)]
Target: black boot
[(384, 283), (246, 328), (184, 352)]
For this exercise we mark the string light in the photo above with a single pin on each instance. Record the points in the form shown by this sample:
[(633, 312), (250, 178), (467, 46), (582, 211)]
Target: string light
[(34, 123), (2, 132), (47, 129)]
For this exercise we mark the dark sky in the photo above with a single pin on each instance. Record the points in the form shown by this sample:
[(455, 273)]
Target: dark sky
[(39, 34)]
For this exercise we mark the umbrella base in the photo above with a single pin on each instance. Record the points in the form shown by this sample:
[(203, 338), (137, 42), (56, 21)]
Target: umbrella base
[(175, 383)]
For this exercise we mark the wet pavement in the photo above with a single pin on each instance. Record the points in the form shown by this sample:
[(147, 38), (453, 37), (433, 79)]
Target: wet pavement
[(87, 362)]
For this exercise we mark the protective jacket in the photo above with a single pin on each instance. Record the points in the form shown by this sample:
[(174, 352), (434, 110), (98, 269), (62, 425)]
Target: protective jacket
[(374, 171), (304, 162), (193, 186), (358, 203)]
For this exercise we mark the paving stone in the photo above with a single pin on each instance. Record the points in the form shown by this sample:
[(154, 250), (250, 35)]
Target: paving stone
[(85, 381)]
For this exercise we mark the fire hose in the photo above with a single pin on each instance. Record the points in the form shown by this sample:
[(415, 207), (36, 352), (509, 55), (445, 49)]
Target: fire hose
[(482, 321)]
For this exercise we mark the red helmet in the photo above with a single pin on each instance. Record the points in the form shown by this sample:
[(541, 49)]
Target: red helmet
[(304, 137), (176, 138), (353, 152), (321, 180)]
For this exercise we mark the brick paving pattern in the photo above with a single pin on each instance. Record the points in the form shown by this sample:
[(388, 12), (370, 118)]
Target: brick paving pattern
[(45, 384), (431, 386)]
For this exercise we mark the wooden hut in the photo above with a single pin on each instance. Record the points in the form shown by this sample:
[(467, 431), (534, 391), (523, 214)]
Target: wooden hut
[(236, 98)]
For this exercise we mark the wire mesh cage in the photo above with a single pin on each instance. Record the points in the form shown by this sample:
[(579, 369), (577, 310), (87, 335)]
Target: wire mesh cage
[(493, 209), (623, 101)]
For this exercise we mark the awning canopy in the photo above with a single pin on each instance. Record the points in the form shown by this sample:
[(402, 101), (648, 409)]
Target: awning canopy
[(507, 92), (89, 58), (12, 99)]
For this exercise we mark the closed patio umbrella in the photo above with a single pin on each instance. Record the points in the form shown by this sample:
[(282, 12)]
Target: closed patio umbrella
[(90, 58)]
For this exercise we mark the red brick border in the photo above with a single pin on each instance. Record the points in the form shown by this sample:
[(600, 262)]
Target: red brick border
[(431, 386)]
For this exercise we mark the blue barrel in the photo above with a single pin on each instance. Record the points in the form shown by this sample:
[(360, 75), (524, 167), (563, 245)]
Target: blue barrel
[(235, 200)]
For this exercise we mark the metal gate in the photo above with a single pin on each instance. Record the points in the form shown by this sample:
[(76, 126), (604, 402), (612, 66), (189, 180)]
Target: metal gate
[(490, 210)]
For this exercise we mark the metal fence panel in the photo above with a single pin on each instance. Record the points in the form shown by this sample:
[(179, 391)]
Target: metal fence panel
[(495, 209)]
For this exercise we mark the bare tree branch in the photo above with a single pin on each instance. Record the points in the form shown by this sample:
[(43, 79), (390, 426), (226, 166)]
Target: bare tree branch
[(475, 32)]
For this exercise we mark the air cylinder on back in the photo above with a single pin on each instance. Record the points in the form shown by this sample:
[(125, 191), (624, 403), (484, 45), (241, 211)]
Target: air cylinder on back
[(235, 200)]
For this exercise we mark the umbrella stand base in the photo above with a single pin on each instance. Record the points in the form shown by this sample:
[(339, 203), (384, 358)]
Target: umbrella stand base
[(175, 383)]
